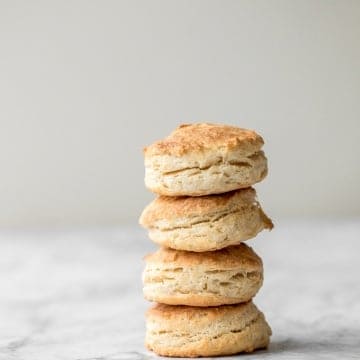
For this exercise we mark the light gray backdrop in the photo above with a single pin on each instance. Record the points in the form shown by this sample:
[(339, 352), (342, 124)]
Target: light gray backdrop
[(84, 85)]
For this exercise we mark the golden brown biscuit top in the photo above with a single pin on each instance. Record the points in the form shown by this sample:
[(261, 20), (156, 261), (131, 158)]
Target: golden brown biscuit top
[(191, 312), (173, 207), (232, 257), (198, 137)]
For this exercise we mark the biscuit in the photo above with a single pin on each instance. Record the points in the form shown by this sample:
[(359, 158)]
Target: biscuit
[(205, 223), (202, 159), (183, 331), (227, 276)]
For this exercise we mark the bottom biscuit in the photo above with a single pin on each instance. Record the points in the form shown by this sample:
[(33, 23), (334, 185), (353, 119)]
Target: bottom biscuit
[(185, 331)]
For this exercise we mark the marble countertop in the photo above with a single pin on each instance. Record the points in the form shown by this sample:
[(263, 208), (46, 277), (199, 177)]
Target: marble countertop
[(76, 295)]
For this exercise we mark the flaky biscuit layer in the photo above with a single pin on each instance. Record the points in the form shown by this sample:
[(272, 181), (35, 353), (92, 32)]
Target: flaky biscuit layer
[(227, 276), (192, 332), (201, 159), (205, 223)]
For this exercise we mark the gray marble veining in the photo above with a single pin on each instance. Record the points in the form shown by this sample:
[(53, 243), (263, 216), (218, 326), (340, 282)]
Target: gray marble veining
[(76, 295)]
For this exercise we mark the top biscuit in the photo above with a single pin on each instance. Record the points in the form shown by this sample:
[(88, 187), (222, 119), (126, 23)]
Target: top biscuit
[(201, 159)]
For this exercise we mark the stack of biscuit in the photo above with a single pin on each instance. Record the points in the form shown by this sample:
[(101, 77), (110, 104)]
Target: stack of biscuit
[(203, 277)]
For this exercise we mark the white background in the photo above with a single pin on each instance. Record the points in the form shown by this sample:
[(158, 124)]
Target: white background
[(84, 85)]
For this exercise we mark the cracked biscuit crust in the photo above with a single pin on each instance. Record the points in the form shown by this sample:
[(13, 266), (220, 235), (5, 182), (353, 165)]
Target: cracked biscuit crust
[(205, 223), (192, 332), (205, 136), (227, 276), (201, 159)]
